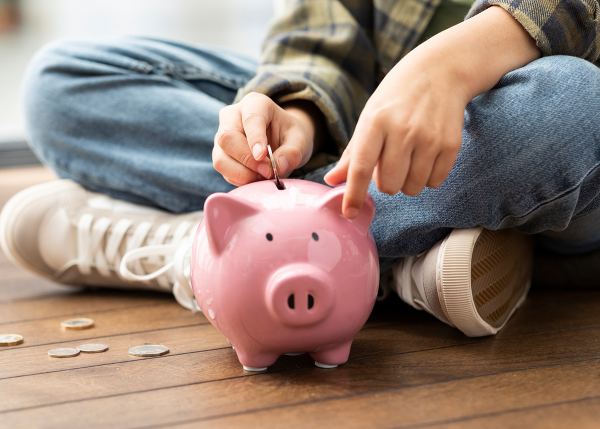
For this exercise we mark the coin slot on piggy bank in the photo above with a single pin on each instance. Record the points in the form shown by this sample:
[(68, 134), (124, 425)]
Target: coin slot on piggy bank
[(282, 271)]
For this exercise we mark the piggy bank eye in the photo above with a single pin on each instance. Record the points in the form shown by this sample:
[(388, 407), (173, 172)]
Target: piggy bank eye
[(315, 236), (269, 236)]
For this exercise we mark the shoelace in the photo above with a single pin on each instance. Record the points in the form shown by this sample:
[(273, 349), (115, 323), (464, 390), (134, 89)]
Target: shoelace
[(175, 254), (177, 257)]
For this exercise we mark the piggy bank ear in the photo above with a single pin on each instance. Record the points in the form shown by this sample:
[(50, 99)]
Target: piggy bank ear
[(222, 212), (332, 200)]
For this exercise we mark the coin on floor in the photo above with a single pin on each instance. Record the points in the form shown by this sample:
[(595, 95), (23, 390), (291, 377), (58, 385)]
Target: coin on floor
[(64, 352), (78, 323), (7, 340), (92, 348), (148, 350)]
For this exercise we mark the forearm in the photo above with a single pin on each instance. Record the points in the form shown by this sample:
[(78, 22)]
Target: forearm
[(476, 53)]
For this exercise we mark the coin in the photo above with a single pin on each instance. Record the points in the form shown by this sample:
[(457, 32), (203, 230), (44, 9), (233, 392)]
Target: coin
[(277, 181), (148, 350), (79, 323), (10, 340), (92, 348), (63, 353)]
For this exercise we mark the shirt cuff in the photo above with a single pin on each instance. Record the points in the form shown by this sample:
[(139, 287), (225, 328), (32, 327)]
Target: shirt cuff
[(559, 27)]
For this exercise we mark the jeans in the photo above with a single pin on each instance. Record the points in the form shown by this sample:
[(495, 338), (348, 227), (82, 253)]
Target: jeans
[(135, 119)]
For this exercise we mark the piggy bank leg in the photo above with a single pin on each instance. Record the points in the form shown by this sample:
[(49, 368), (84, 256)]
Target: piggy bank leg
[(256, 361), (332, 357)]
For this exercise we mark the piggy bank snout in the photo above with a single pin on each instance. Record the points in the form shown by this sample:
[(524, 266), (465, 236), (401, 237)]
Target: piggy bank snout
[(300, 295)]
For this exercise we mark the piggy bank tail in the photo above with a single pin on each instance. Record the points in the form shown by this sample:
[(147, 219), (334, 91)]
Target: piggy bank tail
[(175, 273)]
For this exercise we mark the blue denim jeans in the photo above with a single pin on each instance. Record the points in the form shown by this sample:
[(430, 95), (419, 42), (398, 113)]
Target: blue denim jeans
[(135, 118)]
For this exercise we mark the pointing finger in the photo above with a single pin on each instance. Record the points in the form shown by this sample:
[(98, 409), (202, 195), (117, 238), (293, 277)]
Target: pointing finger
[(257, 114)]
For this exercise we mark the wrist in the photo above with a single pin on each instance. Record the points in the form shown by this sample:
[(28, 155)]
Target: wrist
[(310, 119)]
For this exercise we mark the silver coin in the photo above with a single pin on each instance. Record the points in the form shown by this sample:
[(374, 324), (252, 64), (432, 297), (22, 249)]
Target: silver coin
[(92, 348), (10, 340), (76, 324), (148, 350), (63, 353), (277, 181)]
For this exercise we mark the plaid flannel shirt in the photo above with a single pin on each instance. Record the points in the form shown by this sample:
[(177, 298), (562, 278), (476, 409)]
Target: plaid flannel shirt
[(335, 52)]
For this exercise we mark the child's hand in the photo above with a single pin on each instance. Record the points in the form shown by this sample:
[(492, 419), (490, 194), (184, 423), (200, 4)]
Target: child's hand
[(410, 131), (407, 136), (245, 128)]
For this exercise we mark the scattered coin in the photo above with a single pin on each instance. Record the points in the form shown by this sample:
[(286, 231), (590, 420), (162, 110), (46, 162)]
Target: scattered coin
[(92, 348), (63, 353), (148, 350), (10, 340), (76, 324)]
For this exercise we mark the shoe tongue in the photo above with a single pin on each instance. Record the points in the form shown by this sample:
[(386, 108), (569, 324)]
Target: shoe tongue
[(58, 240)]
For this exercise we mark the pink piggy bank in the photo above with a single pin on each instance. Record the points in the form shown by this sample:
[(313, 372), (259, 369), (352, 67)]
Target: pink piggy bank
[(284, 272)]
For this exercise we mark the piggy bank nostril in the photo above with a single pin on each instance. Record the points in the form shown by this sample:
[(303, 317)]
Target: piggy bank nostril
[(291, 301), (311, 301)]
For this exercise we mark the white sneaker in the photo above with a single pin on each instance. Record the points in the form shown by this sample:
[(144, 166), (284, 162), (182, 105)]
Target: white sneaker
[(65, 233), (474, 279)]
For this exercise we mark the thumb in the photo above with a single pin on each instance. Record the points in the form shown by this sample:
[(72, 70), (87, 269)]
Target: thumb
[(339, 173), (288, 157)]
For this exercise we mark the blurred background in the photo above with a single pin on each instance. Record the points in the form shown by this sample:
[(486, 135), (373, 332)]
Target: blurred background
[(26, 25)]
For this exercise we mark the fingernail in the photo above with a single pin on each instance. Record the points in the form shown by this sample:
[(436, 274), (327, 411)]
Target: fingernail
[(257, 151), (264, 170), (283, 165), (351, 213)]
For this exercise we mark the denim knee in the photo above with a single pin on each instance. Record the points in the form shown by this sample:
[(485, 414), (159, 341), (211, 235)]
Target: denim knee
[(532, 140), (562, 89), (43, 97)]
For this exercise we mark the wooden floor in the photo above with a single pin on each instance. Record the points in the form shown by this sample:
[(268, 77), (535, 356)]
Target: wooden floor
[(406, 369)]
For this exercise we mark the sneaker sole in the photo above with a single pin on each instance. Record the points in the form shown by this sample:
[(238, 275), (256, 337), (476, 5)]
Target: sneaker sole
[(10, 213), (483, 277)]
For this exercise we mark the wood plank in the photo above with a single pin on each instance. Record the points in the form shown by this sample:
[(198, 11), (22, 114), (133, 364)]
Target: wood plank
[(548, 310), (107, 323), (408, 337), (31, 288), (369, 343), (35, 360), (78, 302), (582, 414), (458, 402), (171, 379)]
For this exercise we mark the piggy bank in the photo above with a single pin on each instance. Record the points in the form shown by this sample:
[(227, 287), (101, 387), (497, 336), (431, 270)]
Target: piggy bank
[(282, 271)]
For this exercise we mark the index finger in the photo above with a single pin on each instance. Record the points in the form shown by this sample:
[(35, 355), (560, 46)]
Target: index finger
[(231, 139), (257, 114), (364, 154)]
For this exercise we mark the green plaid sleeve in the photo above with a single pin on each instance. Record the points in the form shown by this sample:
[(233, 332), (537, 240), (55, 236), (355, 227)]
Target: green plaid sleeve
[(319, 51), (559, 27)]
